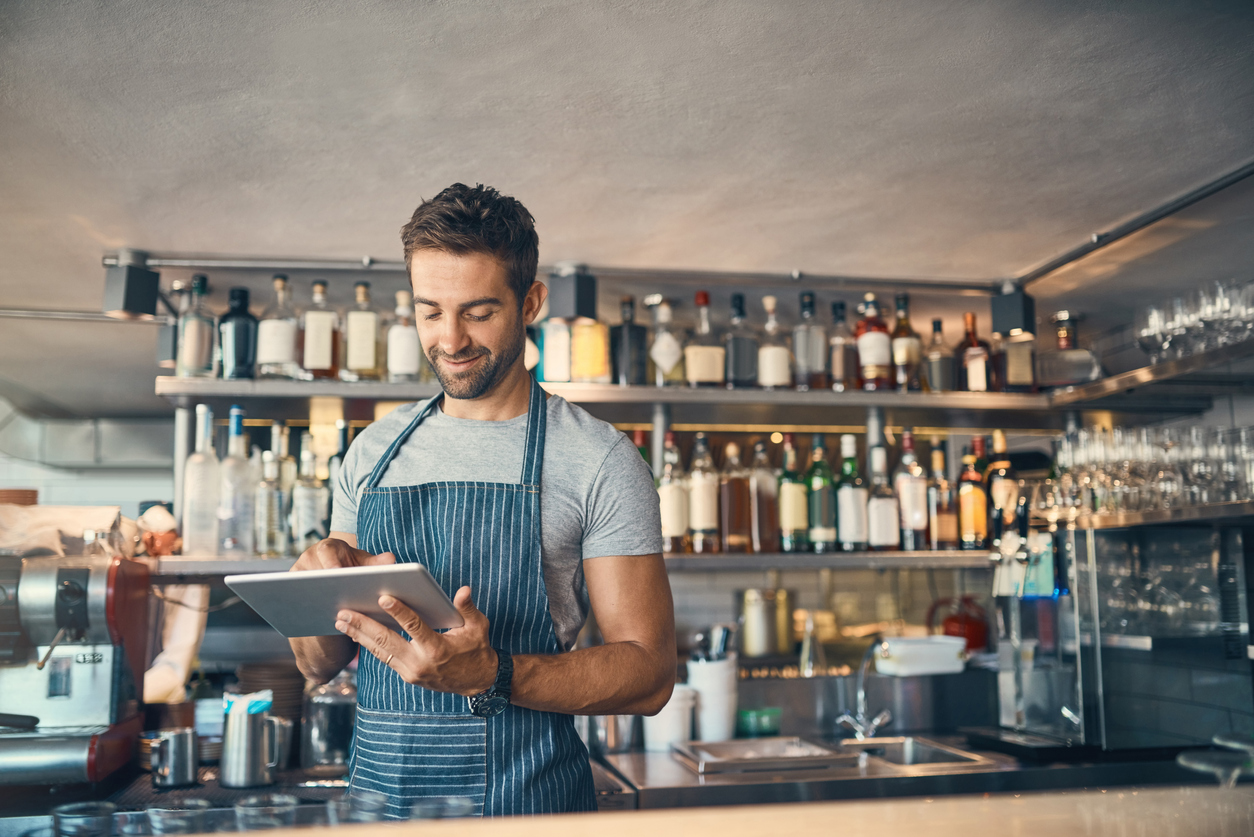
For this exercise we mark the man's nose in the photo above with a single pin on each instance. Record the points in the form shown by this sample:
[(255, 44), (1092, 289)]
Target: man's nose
[(453, 336)]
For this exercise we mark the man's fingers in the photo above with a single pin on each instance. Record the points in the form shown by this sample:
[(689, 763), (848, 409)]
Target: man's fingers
[(406, 618), (375, 560), (379, 640), (466, 607)]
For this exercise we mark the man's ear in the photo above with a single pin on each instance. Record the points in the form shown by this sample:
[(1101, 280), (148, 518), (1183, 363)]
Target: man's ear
[(534, 301)]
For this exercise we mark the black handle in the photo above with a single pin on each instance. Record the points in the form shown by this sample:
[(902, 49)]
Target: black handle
[(18, 721)]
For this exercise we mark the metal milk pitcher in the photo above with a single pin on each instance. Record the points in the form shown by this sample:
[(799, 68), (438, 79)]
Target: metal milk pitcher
[(249, 750)]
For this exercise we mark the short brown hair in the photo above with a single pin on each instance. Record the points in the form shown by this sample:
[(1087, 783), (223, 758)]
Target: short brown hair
[(479, 220)]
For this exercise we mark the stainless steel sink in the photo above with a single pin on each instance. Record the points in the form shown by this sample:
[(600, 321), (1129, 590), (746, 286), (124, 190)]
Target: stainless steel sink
[(911, 750)]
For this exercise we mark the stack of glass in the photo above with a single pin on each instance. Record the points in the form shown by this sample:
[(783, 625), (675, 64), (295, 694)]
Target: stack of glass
[(1215, 315)]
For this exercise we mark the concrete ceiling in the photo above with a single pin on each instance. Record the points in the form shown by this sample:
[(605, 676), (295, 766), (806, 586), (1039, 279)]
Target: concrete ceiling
[(921, 139)]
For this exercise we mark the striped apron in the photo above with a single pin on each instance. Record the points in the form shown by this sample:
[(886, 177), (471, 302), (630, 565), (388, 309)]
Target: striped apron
[(412, 743)]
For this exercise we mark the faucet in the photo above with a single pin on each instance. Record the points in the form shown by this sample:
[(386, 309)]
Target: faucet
[(858, 722)]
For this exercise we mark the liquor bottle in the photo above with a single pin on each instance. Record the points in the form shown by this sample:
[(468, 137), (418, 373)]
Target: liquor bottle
[(764, 496), (843, 349), (629, 347), (666, 350), (883, 512), (320, 336), (910, 485), (938, 361), (794, 503), (975, 360), (237, 338), (362, 361), (703, 490), (276, 335), (334, 464), (875, 347), (972, 507), (907, 349), (200, 490), (851, 498), (555, 359), (404, 354), (672, 492), (942, 503), (1068, 364), (997, 351), (735, 502), (280, 438), (235, 492), (641, 440), (979, 449), (195, 335), (309, 502), (1002, 483), (1019, 364), (705, 358), (822, 498), (269, 510), (590, 351), (809, 346), (741, 343), (774, 358)]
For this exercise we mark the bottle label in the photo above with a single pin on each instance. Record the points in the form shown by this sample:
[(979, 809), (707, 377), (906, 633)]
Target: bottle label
[(195, 346), (852, 503), (912, 494), (319, 339), (945, 528), (882, 518), (972, 512), (404, 357), (363, 340), (590, 353), (976, 362), (843, 362), (705, 364), (822, 514), (666, 351), (774, 367), (703, 503), (276, 341), (555, 356), (907, 351), (794, 510), (1019, 364), (673, 499), (875, 352)]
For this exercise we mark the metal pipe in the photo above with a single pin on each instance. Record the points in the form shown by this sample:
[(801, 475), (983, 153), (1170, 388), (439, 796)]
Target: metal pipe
[(263, 263), (54, 314)]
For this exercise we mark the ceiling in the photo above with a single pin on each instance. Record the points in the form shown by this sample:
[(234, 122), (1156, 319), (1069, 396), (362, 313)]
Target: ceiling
[(924, 139)]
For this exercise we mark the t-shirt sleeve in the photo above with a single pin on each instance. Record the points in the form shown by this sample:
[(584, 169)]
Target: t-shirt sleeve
[(344, 492), (623, 517)]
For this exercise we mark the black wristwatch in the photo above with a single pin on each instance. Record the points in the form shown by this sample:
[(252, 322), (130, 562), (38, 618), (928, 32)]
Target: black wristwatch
[(494, 700)]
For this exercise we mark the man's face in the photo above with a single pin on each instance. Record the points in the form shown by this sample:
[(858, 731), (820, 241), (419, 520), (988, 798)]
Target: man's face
[(468, 319)]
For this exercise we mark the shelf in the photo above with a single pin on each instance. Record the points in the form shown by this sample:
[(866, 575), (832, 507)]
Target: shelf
[(188, 569), (1211, 513), (1146, 375), (950, 559)]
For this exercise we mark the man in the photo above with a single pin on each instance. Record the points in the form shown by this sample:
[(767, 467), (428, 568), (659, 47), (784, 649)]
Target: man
[(531, 508)]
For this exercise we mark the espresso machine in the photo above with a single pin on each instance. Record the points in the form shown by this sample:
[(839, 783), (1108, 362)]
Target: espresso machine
[(73, 646)]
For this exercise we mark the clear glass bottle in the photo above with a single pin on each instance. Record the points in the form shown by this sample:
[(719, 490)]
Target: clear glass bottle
[(235, 493), (938, 361), (237, 338), (309, 503), (843, 351), (280, 438), (362, 355), (705, 358), (590, 352), (875, 347), (1068, 364), (269, 518), (883, 513), (703, 491), (764, 495), (910, 484), (334, 464), (666, 350), (196, 329), (276, 335), (200, 490), (794, 502), (735, 502), (942, 503), (629, 347), (741, 344), (975, 360), (809, 348), (907, 349), (822, 498), (774, 356), (851, 498), (555, 350), (672, 491), (320, 336), (972, 507), (403, 352)]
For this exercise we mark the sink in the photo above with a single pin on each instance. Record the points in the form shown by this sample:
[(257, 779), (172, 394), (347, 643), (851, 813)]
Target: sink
[(911, 750)]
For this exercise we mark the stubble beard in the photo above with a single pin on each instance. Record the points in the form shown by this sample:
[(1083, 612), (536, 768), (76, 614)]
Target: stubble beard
[(480, 380)]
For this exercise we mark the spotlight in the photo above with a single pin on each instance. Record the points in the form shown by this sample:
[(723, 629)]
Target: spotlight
[(131, 289)]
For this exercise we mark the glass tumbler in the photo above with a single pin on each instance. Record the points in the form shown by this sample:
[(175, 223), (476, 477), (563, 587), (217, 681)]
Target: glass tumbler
[(266, 810), (184, 816), (442, 808), (357, 806), (83, 819)]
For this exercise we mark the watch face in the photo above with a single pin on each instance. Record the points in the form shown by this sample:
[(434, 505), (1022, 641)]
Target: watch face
[(491, 705)]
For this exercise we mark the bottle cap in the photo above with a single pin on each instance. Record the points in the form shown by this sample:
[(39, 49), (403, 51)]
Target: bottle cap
[(816, 440), (807, 301), (669, 437), (789, 439), (637, 438), (732, 451), (838, 310), (239, 297), (907, 441), (768, 304), (200, 283), (903, 299), (738, 305), (702, 298), (319, 286), (279, 280), (848, 446), (936, 325), (968, 460), (404, 299), (663, 313)]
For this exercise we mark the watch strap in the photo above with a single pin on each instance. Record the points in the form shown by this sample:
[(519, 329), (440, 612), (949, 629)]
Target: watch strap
[(504, 674)]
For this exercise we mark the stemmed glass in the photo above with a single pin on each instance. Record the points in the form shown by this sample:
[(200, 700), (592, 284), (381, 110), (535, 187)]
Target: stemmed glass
[(1227, 765)]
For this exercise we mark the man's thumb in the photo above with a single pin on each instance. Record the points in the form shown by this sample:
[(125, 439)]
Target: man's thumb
[(462, 601), (381, 558)]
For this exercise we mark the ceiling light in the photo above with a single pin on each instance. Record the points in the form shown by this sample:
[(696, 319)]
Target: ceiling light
[(131, 289)]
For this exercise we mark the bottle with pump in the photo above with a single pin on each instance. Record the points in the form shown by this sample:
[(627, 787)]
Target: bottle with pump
[(309, 502), (794, 503), (910, 484), (938, 361), (809, 347), (237, 338), (200, 490), (883, 512), (672, 491), (705, 359), (629, 353), (875, 347), (763, 493), (843, 349), (404, 353), (972, 507), (741, 343), (907, 349), (269, 510), (774, 356), (276, 335), (975, 360), (942, 502), (666, 350), (196, 335), (320, 336), (822, 497), (735, 502), (851, 499), (235, 493), (703, 491)]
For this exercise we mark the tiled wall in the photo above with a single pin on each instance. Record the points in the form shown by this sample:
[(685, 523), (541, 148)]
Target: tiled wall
[(61, 487)]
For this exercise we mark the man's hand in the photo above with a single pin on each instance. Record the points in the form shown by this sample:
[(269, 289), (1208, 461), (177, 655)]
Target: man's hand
[(459, 660), (334, 554)]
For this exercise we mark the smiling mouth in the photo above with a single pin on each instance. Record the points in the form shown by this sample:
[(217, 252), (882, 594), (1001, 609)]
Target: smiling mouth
[(460, 365)]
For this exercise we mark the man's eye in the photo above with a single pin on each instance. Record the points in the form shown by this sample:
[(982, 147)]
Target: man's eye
[(431, 316), (478, 318)]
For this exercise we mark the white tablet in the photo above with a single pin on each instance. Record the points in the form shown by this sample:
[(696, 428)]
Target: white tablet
[(305, 603)]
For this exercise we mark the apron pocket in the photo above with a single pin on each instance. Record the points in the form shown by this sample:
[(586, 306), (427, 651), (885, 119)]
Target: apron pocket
[(409, 756)]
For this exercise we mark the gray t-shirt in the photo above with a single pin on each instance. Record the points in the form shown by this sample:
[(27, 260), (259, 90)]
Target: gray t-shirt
[(596, 491)]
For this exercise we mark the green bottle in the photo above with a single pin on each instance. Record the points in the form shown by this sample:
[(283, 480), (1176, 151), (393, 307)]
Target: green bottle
[(794, 503), (852, 497), (822, 487)]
